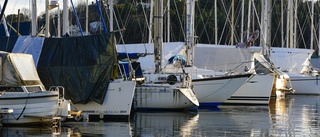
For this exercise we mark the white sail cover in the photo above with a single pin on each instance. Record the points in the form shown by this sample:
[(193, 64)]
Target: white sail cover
[(224, 58), (291, 60)]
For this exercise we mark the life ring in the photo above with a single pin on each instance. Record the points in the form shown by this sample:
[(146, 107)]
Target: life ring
[(172, 79)]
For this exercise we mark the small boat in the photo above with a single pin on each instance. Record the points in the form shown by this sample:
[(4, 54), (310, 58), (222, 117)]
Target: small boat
[(23, 98)]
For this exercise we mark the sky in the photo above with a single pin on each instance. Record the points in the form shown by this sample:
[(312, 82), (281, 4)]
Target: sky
[(14, 5)]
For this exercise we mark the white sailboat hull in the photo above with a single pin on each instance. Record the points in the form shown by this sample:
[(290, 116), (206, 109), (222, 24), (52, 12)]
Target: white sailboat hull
[(211, 92), (162, 97), (117, 102), (30, 108), (305, 84), (256, 91)]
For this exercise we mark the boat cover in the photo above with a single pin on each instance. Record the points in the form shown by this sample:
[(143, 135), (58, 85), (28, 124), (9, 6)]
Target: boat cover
[(82, 65), (147, 62), (293, 60), (18, 69)]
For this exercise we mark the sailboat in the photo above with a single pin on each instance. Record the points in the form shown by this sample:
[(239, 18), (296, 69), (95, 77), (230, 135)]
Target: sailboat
[(164, 91), (242, 61), (23, 98), (294, 61)]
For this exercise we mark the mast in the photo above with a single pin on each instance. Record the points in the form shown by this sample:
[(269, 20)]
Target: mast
[(190, 31), (242, 16), (295, 19), (46, 32), (34, 18), (287, 29), (312, 11), (65, 24), (87, 14), (59, 22), (249, 19), (232, 21), (168, 21), (150, 21), (158, 31), (290, 25), (282, 33), (215, 23), (111, 14)]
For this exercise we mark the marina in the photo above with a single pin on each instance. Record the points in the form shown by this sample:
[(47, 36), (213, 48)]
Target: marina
[(297, 115), (171, 77)]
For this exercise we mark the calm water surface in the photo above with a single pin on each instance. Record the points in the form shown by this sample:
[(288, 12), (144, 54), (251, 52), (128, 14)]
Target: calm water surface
[(293, 116)]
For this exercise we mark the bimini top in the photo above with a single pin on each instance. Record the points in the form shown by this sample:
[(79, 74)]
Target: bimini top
[(18, 69)]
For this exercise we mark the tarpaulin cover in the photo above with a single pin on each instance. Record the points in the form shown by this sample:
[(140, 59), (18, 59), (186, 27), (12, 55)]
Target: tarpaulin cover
[(7, 43), (30, 45), (82, 65)]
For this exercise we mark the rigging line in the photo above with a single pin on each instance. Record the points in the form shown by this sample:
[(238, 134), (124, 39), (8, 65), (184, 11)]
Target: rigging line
[(277, 29), (145, 17), (204, 24), (259, 23), (128, 17), (121, 37), (228, 19), (181, 27), (301, 33), (225, 23), (311, 16), (238, 17), (317, 38), (14, 6)]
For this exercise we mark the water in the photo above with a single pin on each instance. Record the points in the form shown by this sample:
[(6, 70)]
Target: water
[(294, 116)]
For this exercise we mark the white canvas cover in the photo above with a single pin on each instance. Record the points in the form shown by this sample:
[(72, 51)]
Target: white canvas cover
[(29, 45), (25, 67), (292, 60), (224, 58), (147, 63), (18, 69)]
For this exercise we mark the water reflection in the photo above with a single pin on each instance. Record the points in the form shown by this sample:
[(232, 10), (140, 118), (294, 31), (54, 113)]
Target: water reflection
[(295, 116), (100, 128), (164, 124), (292, 116), (234, 121), (29, 131)]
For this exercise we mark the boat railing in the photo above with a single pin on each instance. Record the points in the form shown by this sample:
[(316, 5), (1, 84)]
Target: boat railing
[(60, 89)]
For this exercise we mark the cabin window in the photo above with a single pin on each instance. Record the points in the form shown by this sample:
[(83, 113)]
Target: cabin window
[(34, 89), (162, 78), (11, 89)]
